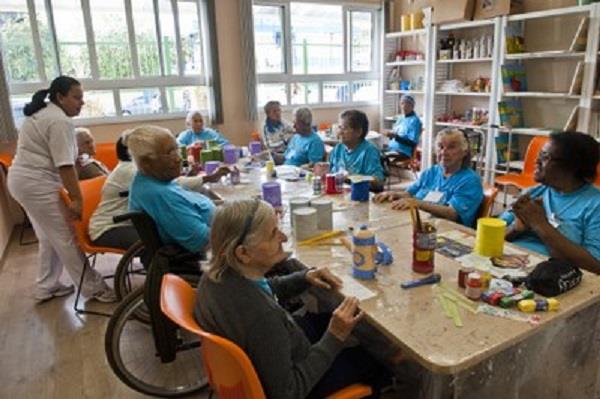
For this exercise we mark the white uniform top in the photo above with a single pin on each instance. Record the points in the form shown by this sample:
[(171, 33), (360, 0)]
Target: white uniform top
[(46, 142)]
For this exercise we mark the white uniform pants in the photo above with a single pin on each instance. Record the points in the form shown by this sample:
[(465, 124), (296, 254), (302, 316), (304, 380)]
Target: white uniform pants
[(57, 242)]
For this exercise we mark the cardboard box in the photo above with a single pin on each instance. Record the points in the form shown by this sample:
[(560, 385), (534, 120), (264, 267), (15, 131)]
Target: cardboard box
[(445, 11), (485, 9)]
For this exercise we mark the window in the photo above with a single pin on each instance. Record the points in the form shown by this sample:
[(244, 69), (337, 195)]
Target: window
[(316, 53), (129, 64)]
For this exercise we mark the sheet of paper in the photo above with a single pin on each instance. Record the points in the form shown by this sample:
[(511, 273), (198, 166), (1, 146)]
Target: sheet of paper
[(351, 287)]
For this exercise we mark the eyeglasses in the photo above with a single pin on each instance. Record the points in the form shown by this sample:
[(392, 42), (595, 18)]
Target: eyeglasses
[(248, 224), (545, 156)]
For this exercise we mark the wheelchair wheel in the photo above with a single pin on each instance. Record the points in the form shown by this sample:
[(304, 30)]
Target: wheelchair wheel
[(130, 273), (130, 351)]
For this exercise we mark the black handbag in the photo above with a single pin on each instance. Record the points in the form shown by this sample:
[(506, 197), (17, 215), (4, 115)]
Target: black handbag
[(553, 277)]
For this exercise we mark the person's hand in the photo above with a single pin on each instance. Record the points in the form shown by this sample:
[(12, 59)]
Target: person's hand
[(323, 278), (404, 204), (223, 170), (390, 134), (344, 318), (75, 209), (530, 212), (386, 196)]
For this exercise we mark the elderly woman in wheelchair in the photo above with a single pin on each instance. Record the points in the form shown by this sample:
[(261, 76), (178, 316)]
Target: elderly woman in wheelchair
[(295, 357)]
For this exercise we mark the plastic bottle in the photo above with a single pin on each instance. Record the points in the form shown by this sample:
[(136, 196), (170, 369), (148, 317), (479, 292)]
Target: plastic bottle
[(473, 286), (538, 305), (364, 249)]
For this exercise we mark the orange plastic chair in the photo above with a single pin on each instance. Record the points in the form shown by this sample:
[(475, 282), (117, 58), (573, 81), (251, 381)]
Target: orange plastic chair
[(230, 371), (487, 205), (91, 191), (325, 125), (394, 167), (597, 181), (524, 179), (107, 154), (6, 161)]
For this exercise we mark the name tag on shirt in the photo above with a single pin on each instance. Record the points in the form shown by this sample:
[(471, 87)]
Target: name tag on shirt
[(433, 196)]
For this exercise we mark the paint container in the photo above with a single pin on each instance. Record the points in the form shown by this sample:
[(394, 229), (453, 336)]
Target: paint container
[(230, 154), (255, 147), (321, 169), (360, 191), (296, 203), (416, 20), (217, 154), (324, 209), (205, 156), (473, 286), (405, 22), (211, 167), (424, 249), (363, 254), (305, 223), (538, 305), (330, 184), (339, 182), (183, 152), (463, 272), (234, 176), (271, 192), (212, 144), (269, 168), (195, 150), (489, 240)]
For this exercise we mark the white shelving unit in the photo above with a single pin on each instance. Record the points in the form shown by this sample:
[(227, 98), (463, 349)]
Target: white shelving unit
[(465, 61)]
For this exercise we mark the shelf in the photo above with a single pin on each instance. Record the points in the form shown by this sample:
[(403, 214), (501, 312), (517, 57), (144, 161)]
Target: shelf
[(464, 61), (463, 93), (545, 54), (467, 24), (540, 94), (405, 63), (528, 131), (517, 164), (461, 125), (417, 92), (391, 118), (395, 35), (596, 97), (557, 12)]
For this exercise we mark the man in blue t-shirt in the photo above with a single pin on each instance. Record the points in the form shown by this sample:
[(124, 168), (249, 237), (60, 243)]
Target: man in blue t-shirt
[(305, 147), (406, 132), (197, 132)]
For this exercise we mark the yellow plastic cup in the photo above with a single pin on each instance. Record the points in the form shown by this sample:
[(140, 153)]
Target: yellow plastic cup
[(416, 20), (405, 22), (490, 237)]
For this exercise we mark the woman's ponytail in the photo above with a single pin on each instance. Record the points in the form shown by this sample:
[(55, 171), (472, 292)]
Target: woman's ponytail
[(60, 85), (38, 101)]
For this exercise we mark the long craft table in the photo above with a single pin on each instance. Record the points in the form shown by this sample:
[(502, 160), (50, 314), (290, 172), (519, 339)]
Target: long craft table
[(488, 357)]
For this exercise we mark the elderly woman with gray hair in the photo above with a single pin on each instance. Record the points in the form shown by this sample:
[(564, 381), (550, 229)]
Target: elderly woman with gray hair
[(406, 132), (294, 357), (276, 133), (305, 147), (450, 189)]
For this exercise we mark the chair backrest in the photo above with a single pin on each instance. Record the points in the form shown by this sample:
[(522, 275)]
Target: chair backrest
[(6, 161), (489, 196), (107, 154), (230, 371), (324, 125), (533, 149)]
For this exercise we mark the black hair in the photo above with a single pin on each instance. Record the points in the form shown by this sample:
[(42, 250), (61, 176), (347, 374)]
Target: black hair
[(122, 151), (61, 84), (578, 153), (356, 120)]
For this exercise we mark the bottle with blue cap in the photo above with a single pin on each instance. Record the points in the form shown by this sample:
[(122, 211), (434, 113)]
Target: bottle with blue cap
[(364, 249)]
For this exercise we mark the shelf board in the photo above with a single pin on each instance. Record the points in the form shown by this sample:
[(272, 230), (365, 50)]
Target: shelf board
[(390, 118), (461, 125), (557, 12), (545, 54), (405, 63), (417, 92), (463, 93), (467, 24), (541, 94), (596, 97), (529, 131), (395, 35), (464, 61)]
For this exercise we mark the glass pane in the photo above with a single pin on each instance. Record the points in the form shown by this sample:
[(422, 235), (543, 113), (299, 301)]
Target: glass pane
[(183, 99), (317, 38), (189, 31), (145, 37), (41, 14), (362, 33), (167, 29), (112, 41), (268, 39), (305, 93), (140, 101), (271, 91), (98, 104), (70, 34), (17, 104), (335, 92), (365, 90), (17, 42)]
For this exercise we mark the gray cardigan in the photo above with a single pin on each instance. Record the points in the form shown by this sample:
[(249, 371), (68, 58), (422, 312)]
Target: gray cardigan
[(285, 361)]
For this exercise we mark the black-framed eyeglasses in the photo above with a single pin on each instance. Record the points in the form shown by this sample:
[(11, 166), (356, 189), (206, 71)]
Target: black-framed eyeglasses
[(248, 224)]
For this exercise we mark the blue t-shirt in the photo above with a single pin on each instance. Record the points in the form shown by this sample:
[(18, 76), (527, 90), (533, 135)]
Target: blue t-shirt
[(462, 191), (365, 160), (276, 135), (577, 215), (304, 149), (188, 137), (409, 127), (182, 217)]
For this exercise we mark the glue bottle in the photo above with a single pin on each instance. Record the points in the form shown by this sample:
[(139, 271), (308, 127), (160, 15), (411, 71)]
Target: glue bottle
[(364, 250)]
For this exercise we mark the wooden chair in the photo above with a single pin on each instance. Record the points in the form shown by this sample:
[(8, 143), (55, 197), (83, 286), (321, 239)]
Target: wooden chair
[(487, 205), (91, 191), (230, 371), (107, 154), (524, 179), (393, 167)]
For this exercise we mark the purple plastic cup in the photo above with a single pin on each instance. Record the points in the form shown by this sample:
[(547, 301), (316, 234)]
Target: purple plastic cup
[(255, 147), (211, 166), (271, 192), (230, 154)]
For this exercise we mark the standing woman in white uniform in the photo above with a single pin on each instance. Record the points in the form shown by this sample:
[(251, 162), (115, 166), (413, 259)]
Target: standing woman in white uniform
[(43, 165)]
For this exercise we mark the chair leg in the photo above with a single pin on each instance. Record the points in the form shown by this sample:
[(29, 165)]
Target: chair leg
[(76, 308), (505, 201)]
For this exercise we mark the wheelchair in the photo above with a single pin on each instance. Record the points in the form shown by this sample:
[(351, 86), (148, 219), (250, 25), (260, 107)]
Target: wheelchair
[(145, 349)]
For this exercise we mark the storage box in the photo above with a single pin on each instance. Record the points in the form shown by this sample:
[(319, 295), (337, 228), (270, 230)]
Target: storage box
[(445, 11), (485, 9)]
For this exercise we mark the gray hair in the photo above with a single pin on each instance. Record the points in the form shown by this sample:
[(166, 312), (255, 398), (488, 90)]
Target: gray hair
[(464, 142), (143, 141), (192, 114), (270, 105), (81, 132), (227, 229), (408, 99), (303, 117)]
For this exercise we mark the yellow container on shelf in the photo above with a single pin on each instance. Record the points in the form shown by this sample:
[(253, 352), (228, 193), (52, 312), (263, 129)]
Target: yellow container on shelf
[(416, 20), (490, 237), (405, 22)]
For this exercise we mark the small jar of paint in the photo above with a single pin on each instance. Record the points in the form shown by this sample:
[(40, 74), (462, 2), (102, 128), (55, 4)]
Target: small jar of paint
[(463, 272), (473, 286)]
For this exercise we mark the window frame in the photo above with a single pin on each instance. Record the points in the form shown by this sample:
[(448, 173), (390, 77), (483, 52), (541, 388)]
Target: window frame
[(162, 82), (347, 76)]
